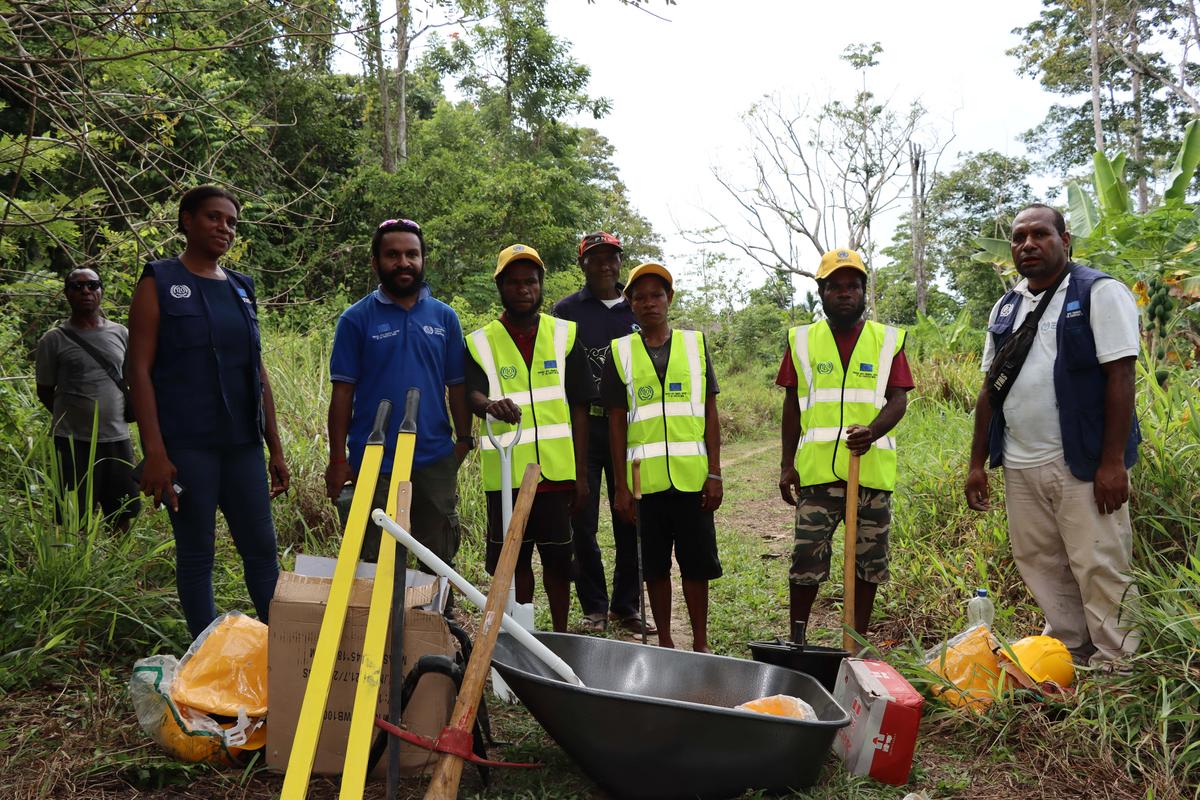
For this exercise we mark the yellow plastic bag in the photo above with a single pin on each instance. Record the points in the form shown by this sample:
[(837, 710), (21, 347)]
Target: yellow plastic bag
[(224, 672), (780, 705), (184, 733), (970, 667), (212, 704)]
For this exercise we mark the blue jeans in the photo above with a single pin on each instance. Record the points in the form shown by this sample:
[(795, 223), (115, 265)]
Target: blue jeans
[(233, 479)]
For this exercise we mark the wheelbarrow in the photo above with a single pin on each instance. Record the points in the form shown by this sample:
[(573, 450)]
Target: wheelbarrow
[(655, 722), (822, 663)]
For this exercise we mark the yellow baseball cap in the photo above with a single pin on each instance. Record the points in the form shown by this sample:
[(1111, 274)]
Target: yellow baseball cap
[(517, 252), (836, 259), (649, 268)]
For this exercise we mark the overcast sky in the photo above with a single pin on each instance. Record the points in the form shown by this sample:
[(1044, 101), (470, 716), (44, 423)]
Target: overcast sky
[(679, 87)]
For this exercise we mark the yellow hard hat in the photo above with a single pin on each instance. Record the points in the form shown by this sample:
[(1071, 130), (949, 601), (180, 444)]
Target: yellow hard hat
[(516, 252), (1035, 660), (836, 259), (649, 268)]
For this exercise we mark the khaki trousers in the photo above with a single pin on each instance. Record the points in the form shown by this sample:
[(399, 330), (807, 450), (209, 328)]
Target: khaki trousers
[(1074, 560)]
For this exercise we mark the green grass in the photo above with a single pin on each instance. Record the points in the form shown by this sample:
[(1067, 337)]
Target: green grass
[(80, 607)]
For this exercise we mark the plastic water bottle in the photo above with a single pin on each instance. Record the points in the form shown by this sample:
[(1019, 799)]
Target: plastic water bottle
[(980, 609)]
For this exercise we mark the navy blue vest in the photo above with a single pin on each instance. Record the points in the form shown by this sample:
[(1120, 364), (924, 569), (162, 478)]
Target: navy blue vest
[(1079, 379), (187, 358)]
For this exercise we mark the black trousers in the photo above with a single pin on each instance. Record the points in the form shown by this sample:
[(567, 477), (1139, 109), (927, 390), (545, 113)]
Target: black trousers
[(590, 579)]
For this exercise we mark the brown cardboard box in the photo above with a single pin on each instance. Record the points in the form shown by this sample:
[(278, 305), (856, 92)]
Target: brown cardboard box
[(296, 612)]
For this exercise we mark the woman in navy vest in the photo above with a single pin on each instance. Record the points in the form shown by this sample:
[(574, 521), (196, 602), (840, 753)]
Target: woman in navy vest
[(203, 405)]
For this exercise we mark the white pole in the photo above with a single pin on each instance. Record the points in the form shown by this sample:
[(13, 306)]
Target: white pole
[(507, 623)]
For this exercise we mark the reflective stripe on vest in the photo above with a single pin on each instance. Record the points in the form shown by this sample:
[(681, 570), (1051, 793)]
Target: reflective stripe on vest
[(540, 390), (832, 398), (666, 417)]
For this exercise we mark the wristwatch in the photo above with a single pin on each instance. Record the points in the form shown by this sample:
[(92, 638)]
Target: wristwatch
[(466, 440)]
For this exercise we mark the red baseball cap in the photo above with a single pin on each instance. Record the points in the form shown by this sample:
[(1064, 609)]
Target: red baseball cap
[(596, 239)]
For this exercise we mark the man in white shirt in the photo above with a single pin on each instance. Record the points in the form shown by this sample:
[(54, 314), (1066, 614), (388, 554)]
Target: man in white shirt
[(1066, 436)]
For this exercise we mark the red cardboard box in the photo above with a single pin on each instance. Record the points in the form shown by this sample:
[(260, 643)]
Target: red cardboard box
[(885, 711)]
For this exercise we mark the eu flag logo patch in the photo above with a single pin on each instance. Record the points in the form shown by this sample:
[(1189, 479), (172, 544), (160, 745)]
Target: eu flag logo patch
[(675, 387), (382, 327), (1073, 305), (550, 364), (241, 292), (865, 367)]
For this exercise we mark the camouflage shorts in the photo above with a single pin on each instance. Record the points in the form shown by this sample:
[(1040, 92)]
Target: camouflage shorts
[(819, 510)]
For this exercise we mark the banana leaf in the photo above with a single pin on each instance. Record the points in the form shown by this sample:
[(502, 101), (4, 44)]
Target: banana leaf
[(993, 251), (1082, 211), (1110, 189), (1186, 161)]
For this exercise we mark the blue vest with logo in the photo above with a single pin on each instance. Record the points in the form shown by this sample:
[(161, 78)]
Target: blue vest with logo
[(185, 368), (1079, 379)]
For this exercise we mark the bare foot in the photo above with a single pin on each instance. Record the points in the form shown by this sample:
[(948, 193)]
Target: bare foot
[(701, 648), (667, 643)]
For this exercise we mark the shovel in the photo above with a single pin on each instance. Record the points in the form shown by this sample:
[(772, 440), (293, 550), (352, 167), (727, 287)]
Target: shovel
[(521, 612), (637, 510)]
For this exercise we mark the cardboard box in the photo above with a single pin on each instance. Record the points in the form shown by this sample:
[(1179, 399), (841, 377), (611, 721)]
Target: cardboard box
[(296, 612), (885, 712)]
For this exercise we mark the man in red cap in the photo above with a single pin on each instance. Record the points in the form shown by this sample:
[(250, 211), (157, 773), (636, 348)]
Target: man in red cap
[(601, 314)]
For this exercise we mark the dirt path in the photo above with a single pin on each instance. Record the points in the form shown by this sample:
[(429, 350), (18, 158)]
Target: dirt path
[(751, 509)]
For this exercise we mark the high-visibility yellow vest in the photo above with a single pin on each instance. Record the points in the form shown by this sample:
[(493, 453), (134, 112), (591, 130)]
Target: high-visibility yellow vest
[(541, 392), (832, 399), (666, 417)]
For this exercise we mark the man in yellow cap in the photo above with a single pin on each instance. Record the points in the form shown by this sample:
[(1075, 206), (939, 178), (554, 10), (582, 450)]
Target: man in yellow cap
[(529, 367), (846, 381), (661, 394)]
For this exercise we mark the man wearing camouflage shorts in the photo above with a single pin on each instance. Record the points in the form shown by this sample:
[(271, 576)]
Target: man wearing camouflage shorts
[(846, 381)]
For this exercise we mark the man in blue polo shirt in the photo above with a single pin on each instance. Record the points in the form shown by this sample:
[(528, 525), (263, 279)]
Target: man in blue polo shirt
[(601, 314), (396, 338)]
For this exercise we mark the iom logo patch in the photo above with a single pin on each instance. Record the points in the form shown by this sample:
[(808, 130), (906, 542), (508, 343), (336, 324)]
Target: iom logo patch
[(825, 367), (180, 291), (645, 393), (508, 372), (1006, 309)]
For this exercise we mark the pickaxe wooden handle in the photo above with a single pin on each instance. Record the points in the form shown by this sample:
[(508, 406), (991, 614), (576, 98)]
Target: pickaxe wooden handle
[(850, 556), (444, 784)]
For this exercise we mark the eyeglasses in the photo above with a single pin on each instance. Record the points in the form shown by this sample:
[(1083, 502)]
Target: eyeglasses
[(79, 286), (407, 222)]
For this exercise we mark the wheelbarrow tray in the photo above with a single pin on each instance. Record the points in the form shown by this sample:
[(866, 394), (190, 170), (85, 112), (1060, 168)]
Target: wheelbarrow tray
[(820, 662), (654, 722)]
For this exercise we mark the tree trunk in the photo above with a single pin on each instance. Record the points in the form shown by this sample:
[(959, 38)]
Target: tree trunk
[(403, 45), (1143, 199), (374, 35), (1095, 37), (916, 160), (506, 22)]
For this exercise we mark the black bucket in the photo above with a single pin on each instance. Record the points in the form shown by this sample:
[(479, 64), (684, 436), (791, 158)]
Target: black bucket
[(822, 663)]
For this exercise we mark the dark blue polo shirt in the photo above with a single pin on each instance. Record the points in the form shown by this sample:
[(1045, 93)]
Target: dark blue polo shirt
[(384, 350), (597, 325)]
